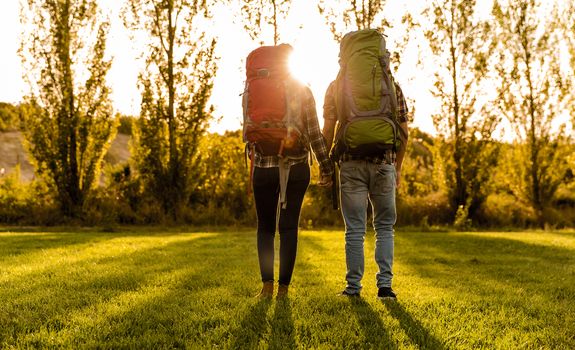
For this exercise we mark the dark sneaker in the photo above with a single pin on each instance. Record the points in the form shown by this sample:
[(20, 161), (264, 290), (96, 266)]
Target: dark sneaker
[(386, 293), (345, 293)]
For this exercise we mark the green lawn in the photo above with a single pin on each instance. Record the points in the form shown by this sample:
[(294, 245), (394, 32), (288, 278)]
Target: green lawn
[(154, 288)]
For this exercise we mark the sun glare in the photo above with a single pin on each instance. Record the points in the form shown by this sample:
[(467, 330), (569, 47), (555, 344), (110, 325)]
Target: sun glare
[(312, 65), (298, 68)]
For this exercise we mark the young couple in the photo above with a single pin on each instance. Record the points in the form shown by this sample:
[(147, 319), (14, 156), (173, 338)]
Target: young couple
[(365, 120)]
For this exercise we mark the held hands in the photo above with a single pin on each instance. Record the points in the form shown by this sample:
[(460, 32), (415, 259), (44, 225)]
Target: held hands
[(325, 181)]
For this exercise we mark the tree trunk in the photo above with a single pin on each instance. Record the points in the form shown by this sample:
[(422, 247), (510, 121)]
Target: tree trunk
[(172, 195), (533, 144), (460, 196), (275, 20), (73, 196)]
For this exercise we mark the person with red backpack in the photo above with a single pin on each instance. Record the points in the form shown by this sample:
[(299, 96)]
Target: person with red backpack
[(280, 128), (365, 116)]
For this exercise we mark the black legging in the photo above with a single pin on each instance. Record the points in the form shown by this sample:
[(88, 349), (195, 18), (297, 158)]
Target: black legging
[(266, 194)]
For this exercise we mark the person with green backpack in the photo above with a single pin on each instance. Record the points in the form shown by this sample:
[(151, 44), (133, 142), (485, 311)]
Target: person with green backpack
[(365, 117)]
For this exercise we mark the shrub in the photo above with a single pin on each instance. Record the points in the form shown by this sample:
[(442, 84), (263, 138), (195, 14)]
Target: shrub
[(462, 221), (27, 203), (125, 124), (317, 209), (9, 117), (504, 210), (432, 209)]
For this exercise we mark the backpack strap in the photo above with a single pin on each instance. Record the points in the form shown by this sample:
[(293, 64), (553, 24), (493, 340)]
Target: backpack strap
[(339, 147), (251, 153), (402, 135), (335, 187), (284, 169), (339, 95), (391, 83)]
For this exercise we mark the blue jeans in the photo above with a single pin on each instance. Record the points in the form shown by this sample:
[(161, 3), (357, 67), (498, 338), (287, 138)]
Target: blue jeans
[(362, 181)]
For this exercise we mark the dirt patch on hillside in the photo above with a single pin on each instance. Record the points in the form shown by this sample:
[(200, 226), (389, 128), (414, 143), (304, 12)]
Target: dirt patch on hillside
[(12, 153)]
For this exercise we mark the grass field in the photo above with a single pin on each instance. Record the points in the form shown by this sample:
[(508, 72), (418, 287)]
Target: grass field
[(154, 288)]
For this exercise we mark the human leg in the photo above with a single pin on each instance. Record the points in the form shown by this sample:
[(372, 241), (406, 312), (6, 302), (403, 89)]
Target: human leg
[(382, 197), (354, 192), (266, 194), (289, 220)]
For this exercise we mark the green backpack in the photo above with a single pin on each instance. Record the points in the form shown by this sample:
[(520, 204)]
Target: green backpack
[(365, 97)]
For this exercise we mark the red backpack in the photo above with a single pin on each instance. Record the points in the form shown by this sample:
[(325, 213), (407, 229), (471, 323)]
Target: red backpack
[(273, 122)]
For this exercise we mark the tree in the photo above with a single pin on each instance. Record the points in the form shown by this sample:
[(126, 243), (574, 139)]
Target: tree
[(461, 50), (9, 117), (532, 94), (176, 85), (222, 180), (259, 13), (69, 120), (417, 170), (355, 14), (565, 14)]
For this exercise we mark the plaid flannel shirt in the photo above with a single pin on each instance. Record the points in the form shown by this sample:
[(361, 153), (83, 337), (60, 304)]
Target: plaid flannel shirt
[(312, 134), (388, 157)]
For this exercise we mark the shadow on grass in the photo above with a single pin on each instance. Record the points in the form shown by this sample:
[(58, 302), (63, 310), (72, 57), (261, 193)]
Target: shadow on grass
[(530, 285), (484, 265), (13, 245), (282, 327), (19, 241), (376, 334), (117, 297), (253, 326), (372, 326), (195, 310), (412, 327)]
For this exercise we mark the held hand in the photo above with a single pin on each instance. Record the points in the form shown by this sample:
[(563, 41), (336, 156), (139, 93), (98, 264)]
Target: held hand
[(325, 181), (397, 178)]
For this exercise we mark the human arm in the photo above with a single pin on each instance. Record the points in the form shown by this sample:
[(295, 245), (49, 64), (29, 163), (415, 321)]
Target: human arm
[(328, 131), (329, 116), (328, 134), (317, 141), (404, 132), (401, 154)]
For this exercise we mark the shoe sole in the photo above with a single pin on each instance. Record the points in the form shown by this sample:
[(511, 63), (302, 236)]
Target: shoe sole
[(387, 298)]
